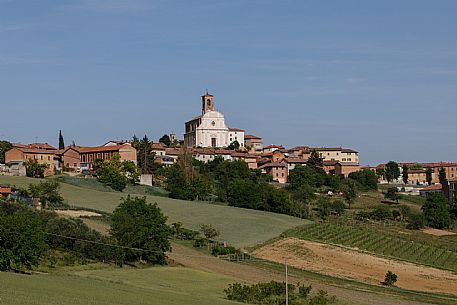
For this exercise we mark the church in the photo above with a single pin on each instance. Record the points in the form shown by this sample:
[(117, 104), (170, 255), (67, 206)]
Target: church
[(209, 129)]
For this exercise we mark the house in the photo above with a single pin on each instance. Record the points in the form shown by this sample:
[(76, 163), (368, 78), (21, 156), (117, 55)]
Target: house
[(253, 143), (337, 154), (78, 158), (5, 192), (431, 189), (278, 171), (42, 154), (450, 190), (159, 148), (272, 148)]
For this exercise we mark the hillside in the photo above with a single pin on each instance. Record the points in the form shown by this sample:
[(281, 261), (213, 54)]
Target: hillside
[(115, 286), (239, 227)]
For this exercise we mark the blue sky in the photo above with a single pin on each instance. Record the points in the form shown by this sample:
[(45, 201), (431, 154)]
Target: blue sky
[(376, 76)]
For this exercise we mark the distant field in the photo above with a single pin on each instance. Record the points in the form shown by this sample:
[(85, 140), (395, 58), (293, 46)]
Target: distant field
[(239, 227), (401, 246), (115, 286)]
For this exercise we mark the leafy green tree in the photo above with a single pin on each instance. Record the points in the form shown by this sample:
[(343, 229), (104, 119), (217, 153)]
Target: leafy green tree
[(116, 173), (61, 141), (314, 160), (366, 179), (442, 176), (436, 211), (428, 175), (201, 188), (405, 175), (349, 192), (145, 155), (47, 192), (390, 278), (235, 145), (22, 241), (165, 139), (300, 175), (392, 194), (244, 193), (392, 171), (137, 224), (209, 231), (4, 147), (34, 169)]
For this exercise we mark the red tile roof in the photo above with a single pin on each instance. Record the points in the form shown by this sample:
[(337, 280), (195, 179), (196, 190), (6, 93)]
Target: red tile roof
[(236, 129), (251, 137), (434, 187), (273, 164)]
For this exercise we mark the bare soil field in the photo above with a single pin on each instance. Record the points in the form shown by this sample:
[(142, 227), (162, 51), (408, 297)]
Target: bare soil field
[(352, 264), (188, 257), (76, 213), (437, 232)]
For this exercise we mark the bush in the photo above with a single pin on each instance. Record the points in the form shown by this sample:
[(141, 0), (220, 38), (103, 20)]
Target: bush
[(22, 240), (381, 213), (436, 211), (416, 221), (390, 278), (221, 250), (392, 194)]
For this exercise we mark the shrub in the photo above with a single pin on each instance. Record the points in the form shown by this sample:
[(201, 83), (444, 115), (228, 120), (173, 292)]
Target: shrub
[(221, 250), (416, 221), (381, 213), (436, 211), (390, 278)]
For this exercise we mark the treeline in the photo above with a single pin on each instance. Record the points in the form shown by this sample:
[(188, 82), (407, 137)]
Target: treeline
[(232, 182), (28, 236)]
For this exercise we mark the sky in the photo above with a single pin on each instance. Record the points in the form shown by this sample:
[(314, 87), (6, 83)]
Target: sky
[(376, 76)]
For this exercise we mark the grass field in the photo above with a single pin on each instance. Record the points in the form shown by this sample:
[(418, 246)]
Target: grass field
[(115, 286), (380, 242), (239, 227)]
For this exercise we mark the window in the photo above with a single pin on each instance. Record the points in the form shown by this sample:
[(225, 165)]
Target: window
[(41, 157), (74, 164), (49, 158), (349, 159)]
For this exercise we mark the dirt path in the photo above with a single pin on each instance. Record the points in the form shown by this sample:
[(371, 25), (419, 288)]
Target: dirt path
[(345, 263), (192, 258)]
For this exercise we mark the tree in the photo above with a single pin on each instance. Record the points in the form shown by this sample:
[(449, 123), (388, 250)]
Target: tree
[(428, 175), (34, 169), (22, 241), (390, 278), (314, 160), (145, 155), (436, 211), (392, 171), (4, 147), (61, 141), (137, 224), (116, 173), (47, 192), (209, 231), (349, 191), (165, 139), (405, 175), (442, 176), (235, 145), (366, 179), (392, 194)]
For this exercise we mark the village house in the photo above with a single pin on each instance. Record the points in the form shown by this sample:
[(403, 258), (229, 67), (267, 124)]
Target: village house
[(450, 190), (79, 158), (277, 170), (253, 143), (5, 192), (43, 153)]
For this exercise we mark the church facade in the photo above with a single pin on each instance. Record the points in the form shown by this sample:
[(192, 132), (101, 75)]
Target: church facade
[(209, 129)]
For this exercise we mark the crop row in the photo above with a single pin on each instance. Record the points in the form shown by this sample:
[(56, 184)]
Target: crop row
[(382, 244)]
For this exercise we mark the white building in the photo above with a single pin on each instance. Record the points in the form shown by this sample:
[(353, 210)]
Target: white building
[(210, 129)]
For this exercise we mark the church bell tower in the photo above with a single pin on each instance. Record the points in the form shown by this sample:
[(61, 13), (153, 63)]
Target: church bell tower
[(207, 102)]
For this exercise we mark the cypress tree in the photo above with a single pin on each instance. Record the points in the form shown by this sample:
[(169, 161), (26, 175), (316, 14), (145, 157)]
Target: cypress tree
[(61, 142)]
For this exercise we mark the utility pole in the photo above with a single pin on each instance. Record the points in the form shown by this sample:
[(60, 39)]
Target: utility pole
[(287, 288)]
